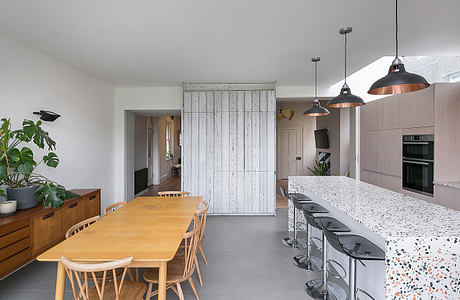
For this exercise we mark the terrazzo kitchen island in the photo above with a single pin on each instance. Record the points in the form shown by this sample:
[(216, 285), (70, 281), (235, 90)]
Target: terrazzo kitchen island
[(420, 239)]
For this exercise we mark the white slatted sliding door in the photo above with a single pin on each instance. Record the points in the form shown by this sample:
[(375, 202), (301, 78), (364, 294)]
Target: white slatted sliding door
[(228, 152)]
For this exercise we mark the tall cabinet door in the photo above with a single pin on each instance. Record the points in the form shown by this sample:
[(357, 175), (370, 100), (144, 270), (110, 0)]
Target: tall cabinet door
[(228, 153)]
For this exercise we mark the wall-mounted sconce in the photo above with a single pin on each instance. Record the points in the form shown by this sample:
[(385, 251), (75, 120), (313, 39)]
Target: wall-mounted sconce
[(47, 115)]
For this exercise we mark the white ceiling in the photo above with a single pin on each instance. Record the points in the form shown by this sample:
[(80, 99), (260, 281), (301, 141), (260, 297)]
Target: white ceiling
[(153, 42)]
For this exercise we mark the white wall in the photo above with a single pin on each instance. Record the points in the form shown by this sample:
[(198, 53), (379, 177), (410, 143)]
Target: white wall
[(140, 142), (132, 99), (30, 81)]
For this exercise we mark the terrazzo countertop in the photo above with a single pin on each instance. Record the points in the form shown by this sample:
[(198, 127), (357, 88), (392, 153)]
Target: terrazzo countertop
[(451, 184), (422, 239)]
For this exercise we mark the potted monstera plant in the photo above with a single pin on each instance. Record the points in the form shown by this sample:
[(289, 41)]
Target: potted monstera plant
[(18, 177)]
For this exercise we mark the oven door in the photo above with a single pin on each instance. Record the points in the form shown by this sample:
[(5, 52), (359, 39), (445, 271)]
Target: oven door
[(418, 150), (418, 176)]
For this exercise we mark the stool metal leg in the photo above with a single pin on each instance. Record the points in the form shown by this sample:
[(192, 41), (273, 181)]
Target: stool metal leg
[(317, 288), (352, 278), (292, 241), (307, 261)]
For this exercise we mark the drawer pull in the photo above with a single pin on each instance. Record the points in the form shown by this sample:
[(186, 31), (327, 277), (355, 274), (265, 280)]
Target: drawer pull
[(92, 197), (73, 205), (48, 216)]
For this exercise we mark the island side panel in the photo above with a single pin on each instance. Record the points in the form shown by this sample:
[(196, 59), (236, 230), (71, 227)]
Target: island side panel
[(422, 268)]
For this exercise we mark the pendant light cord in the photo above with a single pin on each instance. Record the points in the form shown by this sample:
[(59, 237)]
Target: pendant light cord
[(316, 80), (345, 58), (396, 29)]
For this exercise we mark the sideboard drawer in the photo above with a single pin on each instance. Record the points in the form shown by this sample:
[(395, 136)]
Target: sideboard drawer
[(13, 262), (14, 236), (93, 205), (14, 249), (72, 213)]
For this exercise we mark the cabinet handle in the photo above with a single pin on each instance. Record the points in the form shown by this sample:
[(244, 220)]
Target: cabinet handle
[(48, 216), (92, 197), (73, 205)]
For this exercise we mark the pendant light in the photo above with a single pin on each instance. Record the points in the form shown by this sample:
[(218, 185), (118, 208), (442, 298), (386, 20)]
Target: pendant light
[(345, 98), (398, 81), (316, 109)]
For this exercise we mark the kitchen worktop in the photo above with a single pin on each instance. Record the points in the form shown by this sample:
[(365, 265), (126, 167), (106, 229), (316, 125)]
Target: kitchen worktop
[(421, 238)]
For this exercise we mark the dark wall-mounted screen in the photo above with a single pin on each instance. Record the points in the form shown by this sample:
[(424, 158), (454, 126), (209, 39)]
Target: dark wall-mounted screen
[(322, 138)]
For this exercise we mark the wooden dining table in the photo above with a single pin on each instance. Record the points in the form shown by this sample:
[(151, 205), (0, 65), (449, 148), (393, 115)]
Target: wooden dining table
[(147, 228)]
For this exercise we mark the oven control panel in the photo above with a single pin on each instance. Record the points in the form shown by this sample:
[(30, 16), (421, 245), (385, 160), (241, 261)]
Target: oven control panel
[(418, 138)]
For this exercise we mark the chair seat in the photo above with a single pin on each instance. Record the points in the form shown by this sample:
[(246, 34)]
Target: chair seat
[(359, 247), (313, 208), (130, 290), (332, 224), (174, 274)]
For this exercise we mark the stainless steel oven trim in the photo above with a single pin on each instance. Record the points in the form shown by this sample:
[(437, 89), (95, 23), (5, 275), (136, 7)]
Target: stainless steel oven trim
[(418, 191), (418, 159), (416, 143), (416, 162)]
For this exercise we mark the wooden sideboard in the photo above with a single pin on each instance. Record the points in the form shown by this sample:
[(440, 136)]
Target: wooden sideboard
[(28, 233)]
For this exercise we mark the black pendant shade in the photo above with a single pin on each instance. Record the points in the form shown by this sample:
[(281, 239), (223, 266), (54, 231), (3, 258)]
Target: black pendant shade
[(345, 99), (398, 81), (316, 110)]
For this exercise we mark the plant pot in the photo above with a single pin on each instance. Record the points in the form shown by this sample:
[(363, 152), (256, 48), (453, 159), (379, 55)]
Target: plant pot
[(25, 197), (7, 208)]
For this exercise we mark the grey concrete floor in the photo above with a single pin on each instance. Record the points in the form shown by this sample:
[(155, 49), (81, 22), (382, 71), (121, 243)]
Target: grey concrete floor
[(246, 261)]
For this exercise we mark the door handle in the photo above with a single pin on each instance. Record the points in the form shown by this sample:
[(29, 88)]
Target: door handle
[(73, 205), (416, 162), (298, 158), (48, 216), (92, 197)]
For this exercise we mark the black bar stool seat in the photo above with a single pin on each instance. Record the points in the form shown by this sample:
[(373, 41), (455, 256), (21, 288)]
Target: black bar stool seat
[(299, 196), (313, 208), (360, 248), (332, 224)]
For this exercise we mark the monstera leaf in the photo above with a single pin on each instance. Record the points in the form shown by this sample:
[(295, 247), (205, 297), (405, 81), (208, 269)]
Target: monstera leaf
[(51, 160), (53, 195), (2, 193), (41, 137)]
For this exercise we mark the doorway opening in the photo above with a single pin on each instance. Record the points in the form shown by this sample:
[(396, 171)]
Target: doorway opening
[(154, 152)]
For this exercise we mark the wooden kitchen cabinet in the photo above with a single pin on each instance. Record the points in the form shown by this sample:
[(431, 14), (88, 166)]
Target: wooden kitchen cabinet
[(418, 108), (30, 232)]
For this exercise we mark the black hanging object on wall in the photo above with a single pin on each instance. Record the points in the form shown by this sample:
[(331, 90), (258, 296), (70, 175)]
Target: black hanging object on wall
[(316, 110), (345, 98), (398, 80), (47, 115)]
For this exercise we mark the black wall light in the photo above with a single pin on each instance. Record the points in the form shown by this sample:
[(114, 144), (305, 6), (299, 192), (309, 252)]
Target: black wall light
[(398, 81), (345, 98), (316, 110), (47, 115)]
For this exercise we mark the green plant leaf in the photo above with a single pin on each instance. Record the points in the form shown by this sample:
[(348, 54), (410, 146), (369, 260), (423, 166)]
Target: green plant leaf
[(27, 156), (28, 130), (25, 169), (14, 155), (50, 195), (3, 172), (42, 137), (51, 160), (2, 193)]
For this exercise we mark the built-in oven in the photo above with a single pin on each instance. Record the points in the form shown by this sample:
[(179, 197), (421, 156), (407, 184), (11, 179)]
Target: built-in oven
[(417, 163)]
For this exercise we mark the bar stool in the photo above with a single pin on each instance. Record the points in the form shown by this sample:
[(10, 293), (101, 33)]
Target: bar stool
[(317, 288), (308, 261), (356, 248), (297, 199)]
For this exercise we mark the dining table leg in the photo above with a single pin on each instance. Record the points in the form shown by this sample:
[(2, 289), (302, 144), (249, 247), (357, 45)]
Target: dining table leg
[(162, 280), (60, 282)]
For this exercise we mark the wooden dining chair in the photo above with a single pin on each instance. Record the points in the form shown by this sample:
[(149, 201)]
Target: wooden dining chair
[(87, 286), (201, 214), (113, 207), (181, 267), (80, 226), (173, 194)]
